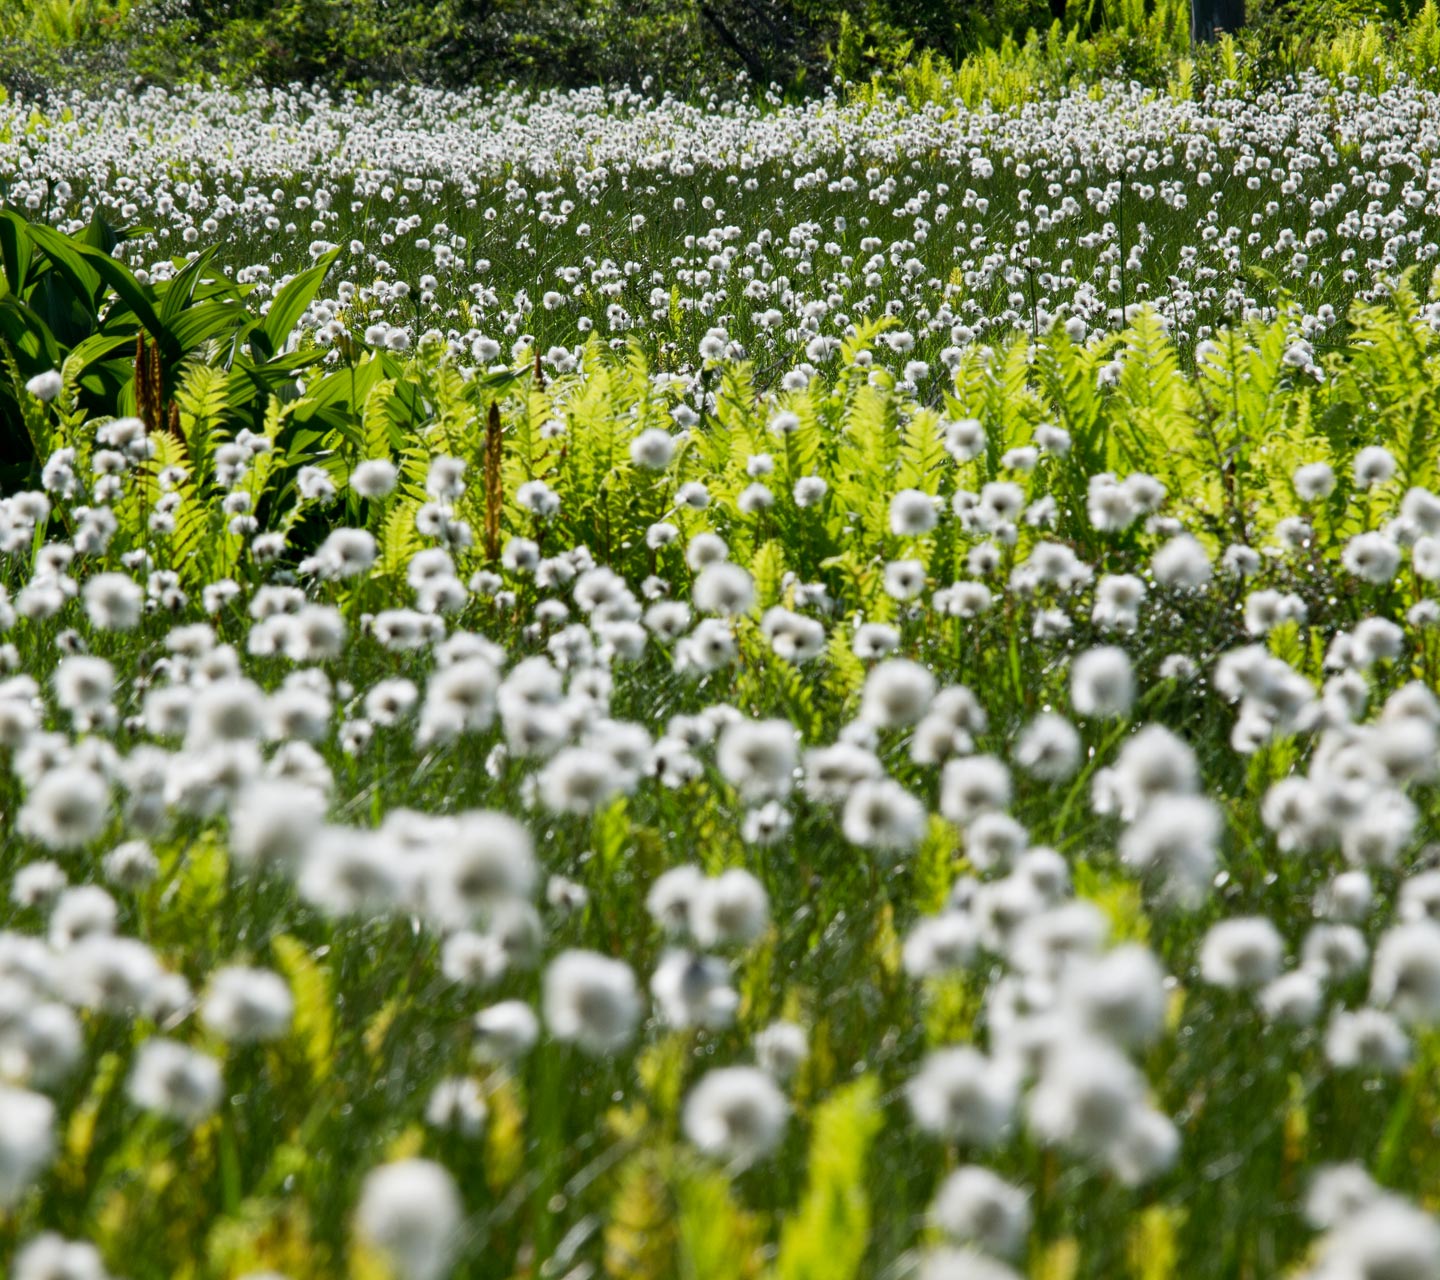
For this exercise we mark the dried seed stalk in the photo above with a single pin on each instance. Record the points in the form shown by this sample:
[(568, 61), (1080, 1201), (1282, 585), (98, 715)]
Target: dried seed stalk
[(494, 485), (150, 391)]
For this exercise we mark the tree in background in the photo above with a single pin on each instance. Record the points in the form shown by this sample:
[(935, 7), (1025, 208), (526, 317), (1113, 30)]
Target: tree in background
[(679, 46)]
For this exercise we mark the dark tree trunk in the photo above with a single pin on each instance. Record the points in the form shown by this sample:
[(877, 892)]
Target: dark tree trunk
[(753, 65), (1208, 18)]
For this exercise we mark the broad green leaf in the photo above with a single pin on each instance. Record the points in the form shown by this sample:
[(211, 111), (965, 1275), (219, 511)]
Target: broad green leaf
[(72, 260), (291, 300), (178, 293), (15, 250), (203, 321)]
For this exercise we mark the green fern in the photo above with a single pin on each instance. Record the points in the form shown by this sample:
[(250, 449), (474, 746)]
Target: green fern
[(202, 397), (1154, 427), (1011, 408), (377, 430), (825, 1238), (398, 541), (866, 461), (717, 1239), (922, 454), (768, 570)]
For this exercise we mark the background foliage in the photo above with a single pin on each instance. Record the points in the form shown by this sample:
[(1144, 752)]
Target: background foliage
[(680, 45)]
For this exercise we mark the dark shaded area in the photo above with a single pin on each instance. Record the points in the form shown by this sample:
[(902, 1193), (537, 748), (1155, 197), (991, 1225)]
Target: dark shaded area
[(680, 46), (675, 45), (1208, 18)]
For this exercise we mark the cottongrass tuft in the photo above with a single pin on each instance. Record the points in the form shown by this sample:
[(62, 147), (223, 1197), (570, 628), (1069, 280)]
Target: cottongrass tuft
[(735, 1114), (175, 1081), (27, 1140), (411, 1211), (592, 1001)]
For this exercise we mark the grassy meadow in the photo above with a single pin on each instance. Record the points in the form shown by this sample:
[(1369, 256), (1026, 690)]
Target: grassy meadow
[(600, 685)]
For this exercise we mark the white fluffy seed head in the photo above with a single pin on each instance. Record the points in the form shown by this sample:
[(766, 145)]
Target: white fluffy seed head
[(1241, 953), (960, 1095), (735, 1114), (411, 1211), (897, 693), (881, 815), (66, 809), (781, 1049), (1102, 683), (730, 909), (912, 513), (976, 1206), (592, 1001), (175, 1081), (973, 785), (50, 1256), (244, 1005), (758, 757), (505, 1031), (27, 1140), (1405, 975)]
